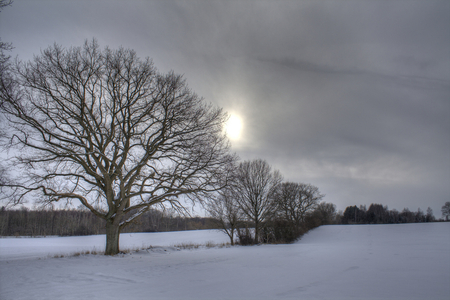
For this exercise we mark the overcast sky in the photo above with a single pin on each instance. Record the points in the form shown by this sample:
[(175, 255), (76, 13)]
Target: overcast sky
[(350, 96)]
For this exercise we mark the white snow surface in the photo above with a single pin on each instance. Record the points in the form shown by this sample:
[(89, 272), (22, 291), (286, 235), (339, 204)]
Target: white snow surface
[(20, 248), (408, 261)]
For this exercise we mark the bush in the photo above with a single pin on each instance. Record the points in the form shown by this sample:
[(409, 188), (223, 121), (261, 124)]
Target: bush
[(312, 221), (245, 237), (281, 232)]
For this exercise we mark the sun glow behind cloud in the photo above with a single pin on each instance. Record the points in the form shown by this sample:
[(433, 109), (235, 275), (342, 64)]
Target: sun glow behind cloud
[(234, 127)]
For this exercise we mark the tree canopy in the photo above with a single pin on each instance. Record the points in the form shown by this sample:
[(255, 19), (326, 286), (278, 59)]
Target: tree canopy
[(105, 128)]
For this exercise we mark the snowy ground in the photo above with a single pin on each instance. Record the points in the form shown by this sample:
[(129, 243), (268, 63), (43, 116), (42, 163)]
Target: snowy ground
[(21, 248), (410, 261)]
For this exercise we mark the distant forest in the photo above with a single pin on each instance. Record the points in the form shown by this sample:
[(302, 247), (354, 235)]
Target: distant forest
[(25, 222), (379, 214)]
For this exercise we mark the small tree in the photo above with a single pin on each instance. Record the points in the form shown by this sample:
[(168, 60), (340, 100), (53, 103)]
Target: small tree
[(446, 210), (295, 203), (326, 213), (105, 128), (256, 184), (377, 214), (225, 210), (353, 215), (430, 217), (407, 216), (419, 216), (295, 200)]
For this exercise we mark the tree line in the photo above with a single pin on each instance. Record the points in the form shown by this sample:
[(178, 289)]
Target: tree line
[(280, 212), (70, 222), (379, 214), (280, 227), (277, 212)]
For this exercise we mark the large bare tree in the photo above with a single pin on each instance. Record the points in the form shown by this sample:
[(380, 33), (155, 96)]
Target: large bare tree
[(4, 71), (4, 46), (105, 128), (255, 191)]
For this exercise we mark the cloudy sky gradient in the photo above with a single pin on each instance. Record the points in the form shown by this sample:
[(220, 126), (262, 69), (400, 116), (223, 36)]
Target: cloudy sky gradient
[(351, 96)]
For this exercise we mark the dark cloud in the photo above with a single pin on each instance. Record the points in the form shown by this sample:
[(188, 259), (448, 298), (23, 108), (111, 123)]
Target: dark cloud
[(353, 96)]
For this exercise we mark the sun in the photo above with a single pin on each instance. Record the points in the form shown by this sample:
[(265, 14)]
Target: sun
[(234, 127)]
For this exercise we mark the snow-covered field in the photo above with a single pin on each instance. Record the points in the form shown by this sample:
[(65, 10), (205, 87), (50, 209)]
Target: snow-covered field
[(410, 261)]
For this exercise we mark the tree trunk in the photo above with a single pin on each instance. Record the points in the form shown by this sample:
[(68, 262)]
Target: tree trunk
[(112, 238), (256, 232)]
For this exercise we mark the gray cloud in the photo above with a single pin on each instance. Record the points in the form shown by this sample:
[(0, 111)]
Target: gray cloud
[(353, 96)]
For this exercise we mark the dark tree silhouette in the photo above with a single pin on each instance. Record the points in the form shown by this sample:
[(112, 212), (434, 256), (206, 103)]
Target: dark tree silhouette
[(255, 189), (326, 212), (377, 214), (295, 200), (430, 217), (446, 210)]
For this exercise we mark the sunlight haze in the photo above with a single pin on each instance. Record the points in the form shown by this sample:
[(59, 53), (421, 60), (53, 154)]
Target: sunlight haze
[(234, 127)]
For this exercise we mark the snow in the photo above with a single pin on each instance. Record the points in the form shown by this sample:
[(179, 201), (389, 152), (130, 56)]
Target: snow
[(24, 248), (408, 261)]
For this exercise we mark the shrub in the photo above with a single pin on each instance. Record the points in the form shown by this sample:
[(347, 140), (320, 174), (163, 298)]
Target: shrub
[(245, 237), (281, 231)]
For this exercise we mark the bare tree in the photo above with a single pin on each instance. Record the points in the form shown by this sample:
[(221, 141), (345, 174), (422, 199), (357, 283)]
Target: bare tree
[(295, 200), (225, 209), (4, 81), (105, 128), (4, 3), (4, 46), (326, 213), (377, 214), (255, 191), (446, 210), (430, 217)]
